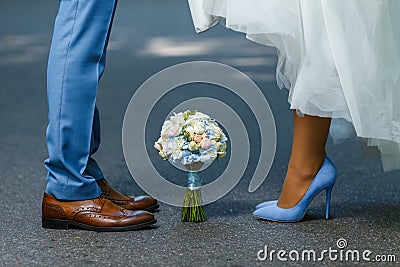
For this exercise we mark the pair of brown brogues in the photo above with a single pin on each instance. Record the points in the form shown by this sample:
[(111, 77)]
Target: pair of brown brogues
[(112, 211)]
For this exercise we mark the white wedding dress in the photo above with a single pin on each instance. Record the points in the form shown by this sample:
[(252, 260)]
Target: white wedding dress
[(337, 58)]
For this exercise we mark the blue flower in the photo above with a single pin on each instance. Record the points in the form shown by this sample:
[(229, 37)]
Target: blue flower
[(185, 153), (194, 158), (223, 138), (210, 134)]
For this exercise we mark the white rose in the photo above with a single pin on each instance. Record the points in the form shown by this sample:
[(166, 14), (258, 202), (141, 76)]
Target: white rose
[(174, 130), (216, 130), (198, 116), (178, 119), (190, 130), (168, 147), (198, 127), (164, 129)]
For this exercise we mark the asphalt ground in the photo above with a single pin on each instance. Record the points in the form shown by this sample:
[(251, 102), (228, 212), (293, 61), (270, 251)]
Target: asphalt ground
[(147, 37)]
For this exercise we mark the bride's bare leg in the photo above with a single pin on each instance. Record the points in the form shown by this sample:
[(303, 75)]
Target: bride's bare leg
[(308, 153)]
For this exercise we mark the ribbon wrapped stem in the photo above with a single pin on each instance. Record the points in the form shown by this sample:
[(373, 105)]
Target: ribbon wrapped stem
[(192, 210)]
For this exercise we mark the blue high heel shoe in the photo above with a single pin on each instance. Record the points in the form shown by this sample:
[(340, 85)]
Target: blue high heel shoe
[(323, 180), (266, 204)]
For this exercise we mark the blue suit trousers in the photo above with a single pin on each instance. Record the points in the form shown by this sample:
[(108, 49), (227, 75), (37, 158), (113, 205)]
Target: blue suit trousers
[(76, 64)]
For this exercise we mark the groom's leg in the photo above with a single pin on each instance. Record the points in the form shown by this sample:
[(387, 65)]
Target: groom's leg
[(76, 63), (92, 168)]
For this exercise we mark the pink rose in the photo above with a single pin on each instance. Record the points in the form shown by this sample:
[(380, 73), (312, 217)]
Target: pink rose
[(157, 146), (174, 130), (197, 138), (205, 144)]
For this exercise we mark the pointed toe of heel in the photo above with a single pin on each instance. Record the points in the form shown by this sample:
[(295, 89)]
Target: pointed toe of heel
[(323, 180), (266, 204)]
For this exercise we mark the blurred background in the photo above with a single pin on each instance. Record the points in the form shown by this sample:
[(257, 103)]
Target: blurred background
[(147, 37)]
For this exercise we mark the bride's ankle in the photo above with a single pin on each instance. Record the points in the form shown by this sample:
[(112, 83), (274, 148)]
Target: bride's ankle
[(304, 170)]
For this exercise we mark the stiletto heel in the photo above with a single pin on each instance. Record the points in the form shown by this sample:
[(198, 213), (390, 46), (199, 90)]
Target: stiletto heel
[(323, 180), (328, 201)]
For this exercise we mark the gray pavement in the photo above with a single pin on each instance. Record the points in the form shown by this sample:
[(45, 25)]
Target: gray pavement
[(147, 37)]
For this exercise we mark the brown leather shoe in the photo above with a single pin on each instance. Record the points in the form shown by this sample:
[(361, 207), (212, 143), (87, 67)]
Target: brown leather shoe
[(97, 214), (127, 202)]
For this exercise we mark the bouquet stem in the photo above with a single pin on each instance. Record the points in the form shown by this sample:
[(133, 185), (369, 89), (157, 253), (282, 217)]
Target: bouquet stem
[(192, 210)]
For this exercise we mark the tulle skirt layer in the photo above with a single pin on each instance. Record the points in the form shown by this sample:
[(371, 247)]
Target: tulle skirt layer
[(337, 58)]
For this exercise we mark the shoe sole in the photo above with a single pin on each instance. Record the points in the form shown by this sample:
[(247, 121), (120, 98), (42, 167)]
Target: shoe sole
[(277, 221), (153, 208), (66, 224)]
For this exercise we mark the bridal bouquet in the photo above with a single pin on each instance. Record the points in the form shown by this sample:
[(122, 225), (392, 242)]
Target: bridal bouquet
[(191, 139)]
